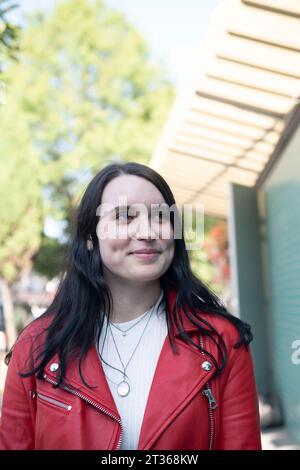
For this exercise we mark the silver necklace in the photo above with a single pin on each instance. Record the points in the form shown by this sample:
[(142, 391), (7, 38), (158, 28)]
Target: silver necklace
[(124, 332), (123, 387)]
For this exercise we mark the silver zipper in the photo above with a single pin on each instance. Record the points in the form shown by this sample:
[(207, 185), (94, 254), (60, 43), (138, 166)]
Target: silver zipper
[(212, 402), (53, 401), (91, 402), (212, 405)]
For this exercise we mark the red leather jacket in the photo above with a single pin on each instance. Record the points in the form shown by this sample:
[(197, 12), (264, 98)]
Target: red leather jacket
[(186, 408)]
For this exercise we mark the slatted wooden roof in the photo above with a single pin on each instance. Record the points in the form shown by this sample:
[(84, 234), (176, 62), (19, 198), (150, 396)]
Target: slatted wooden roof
[(245, 82)]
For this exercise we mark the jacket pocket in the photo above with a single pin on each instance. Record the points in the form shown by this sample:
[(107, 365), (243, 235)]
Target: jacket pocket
[(53, 401)]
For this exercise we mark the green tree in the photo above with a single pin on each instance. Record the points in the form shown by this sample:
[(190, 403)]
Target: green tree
[(8, 47), (21, 206), (92, 94), (83, 93), (8, 32)]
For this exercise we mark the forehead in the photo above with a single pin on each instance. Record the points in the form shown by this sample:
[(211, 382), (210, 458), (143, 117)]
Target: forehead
[(135, 189)]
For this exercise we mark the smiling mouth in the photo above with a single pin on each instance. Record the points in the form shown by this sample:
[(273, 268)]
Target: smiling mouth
[(144, 252), (145, 255)]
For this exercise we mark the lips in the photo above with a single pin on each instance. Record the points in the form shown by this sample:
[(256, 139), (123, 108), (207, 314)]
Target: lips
[(144, 252)]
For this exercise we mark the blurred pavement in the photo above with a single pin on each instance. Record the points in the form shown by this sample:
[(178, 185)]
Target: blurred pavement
[(278, 439)]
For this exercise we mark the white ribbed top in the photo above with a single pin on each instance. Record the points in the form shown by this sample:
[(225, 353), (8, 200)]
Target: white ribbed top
[(140, 370)]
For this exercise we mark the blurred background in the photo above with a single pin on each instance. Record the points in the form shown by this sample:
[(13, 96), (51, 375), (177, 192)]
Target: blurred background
[(205, 92)]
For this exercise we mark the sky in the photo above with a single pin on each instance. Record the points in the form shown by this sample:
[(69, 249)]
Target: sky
[(173, 29)]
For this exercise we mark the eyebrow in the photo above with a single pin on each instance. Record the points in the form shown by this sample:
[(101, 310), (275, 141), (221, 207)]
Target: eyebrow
[(160, 205)]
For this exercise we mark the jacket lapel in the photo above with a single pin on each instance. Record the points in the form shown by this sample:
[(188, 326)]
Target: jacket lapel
[(93, 374), (177, 379)]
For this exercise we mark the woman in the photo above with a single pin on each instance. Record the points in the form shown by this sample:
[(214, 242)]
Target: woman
[(134, 352)]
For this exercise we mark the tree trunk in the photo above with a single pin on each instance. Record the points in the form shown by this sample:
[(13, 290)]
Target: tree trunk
[(8, 313)]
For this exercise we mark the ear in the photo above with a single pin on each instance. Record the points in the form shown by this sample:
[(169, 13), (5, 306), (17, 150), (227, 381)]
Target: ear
[(89, 243)]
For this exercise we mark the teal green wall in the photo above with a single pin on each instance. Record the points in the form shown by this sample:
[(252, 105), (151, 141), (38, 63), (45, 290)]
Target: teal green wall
[(282, 203), (246, 272)]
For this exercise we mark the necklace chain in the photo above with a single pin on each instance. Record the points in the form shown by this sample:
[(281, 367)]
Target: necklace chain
[(123, 387), (125, 367), (125, 331)]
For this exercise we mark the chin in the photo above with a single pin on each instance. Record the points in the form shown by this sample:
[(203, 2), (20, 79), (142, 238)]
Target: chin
[(143, 276)]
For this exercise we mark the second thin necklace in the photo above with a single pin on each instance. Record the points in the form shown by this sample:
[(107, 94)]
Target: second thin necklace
[(123, 387)]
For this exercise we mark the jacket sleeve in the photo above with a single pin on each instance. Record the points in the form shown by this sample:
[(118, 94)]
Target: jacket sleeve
[(239, 412), (16, 427)]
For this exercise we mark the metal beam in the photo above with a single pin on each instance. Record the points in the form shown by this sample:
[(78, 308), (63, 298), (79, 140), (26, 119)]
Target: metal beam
[(263, 41), (244, 85), (279, 11), (292, 124), (240, 105), (258, 67)]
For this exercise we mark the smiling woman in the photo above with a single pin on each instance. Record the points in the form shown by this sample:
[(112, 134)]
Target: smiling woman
[(131, 246), (135, 352)]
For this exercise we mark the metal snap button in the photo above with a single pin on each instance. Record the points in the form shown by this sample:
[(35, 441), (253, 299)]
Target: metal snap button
[(54, 366), (206, 365)]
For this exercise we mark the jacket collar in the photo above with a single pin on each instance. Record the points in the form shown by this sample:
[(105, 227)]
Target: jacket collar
[(171, 299), (179, 376)]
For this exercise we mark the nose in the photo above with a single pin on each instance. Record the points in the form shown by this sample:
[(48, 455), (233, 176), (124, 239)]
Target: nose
[(143, 229)]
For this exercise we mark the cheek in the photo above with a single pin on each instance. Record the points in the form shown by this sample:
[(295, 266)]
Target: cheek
[(172, 249), (112, 252), (108, 230), (113, 243), (165, 232), (169, 250), (112, 246), (167, 237)]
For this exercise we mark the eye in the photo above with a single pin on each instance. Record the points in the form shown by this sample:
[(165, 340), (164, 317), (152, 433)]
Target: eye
[(123, 216), (161, 215)]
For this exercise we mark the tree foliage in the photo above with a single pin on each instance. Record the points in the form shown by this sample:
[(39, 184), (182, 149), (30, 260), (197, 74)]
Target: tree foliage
[(21, 205), (8, 32), (83, 93), (94, 94)]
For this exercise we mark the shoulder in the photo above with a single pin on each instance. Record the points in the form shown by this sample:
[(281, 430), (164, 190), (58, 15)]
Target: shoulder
[(224, 327), (31, 337), (227, 326), (239, 357), (233, 336), (35, 328)]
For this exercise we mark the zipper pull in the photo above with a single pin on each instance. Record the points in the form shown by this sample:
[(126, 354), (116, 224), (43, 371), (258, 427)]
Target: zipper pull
[(32, 393), (211, 399)]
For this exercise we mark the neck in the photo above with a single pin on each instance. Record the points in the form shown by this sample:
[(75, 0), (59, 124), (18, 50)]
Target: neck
[(130, 301)]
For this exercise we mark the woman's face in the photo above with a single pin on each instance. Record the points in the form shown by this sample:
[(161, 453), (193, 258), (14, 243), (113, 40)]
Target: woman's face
[(130, 220)]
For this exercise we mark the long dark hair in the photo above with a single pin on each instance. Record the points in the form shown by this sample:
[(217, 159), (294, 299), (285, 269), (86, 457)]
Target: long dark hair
[(75, 313)]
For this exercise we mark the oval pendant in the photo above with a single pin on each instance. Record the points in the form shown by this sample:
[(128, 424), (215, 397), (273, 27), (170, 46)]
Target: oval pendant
[(123, 388)]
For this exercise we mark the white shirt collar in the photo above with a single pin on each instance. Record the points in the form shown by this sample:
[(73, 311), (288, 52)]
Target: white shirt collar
[(159, 308)]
